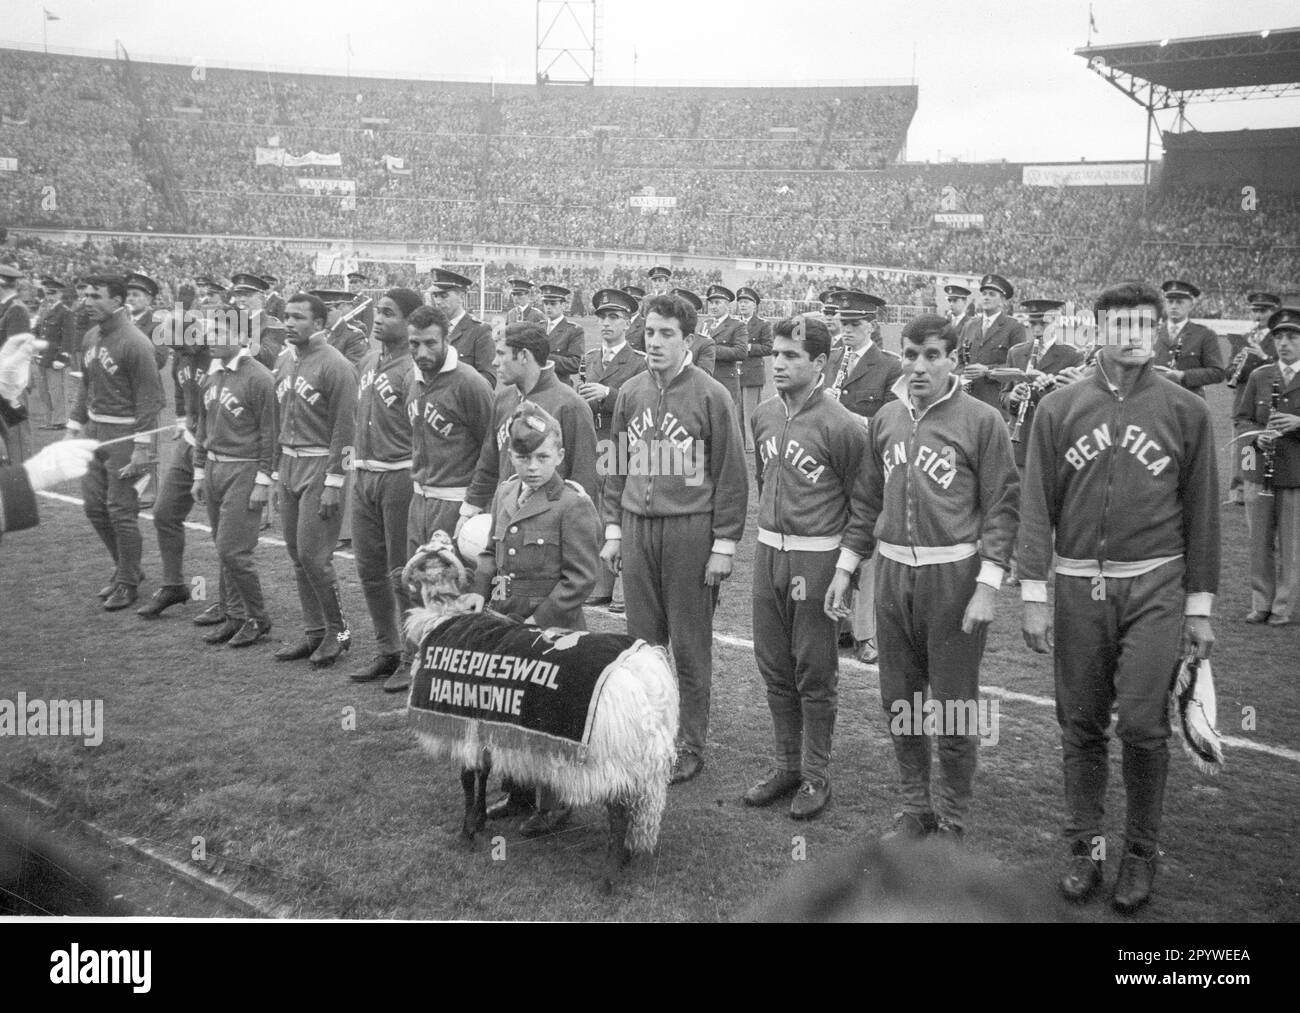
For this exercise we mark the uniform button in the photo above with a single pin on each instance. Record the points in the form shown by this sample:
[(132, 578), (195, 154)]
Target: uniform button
[(541, 541), (514, 530), (510, 552)]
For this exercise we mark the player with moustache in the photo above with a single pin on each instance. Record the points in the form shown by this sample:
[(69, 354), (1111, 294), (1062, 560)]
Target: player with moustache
[(659, 527), (809, 452), (1120, 500), (937, 494), (607, 368), (234, 444), (316, 388)]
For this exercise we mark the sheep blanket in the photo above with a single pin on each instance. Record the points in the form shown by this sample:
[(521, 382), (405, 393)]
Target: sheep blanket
[(528, 688)]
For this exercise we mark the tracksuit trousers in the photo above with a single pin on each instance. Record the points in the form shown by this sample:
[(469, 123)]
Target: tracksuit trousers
[(669, 604), (311, 541), (919, 611), (169, 513), (111, 502), (234, 531), (381, 503), (1122, 649), (795, 649)]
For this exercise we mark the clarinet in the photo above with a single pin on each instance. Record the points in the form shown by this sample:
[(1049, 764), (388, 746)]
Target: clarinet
[(1270, 452), (1176, 350), (1030, 367), (1241, 364), (837, 388), (963, 360)]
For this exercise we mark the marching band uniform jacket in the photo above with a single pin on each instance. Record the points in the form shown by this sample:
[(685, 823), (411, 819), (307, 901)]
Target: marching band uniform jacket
[(14, 318), (1055, 359), (1253, 412), (451, 418), (991, 349), (627, 363), (145, 322), (271, 336), (547, 550), (753, 371), (870, 386), (731, 348), (352, 343), (693, 407), (568, 342), (936, 487), (1199, 356), (577, 436), (58, 327), (1140, 477), (473, 343), (317, 392), (704, 353), (528, 315)]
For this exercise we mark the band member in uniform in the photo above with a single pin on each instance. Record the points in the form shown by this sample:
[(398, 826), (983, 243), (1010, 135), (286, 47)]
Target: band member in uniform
[(830, 313), (266, 333), (56, 325), (235, 439), (607, 368), (381, 476), (636, 326), (659, 527), (753, 371), (730, 339), (1020, 399), (861, 376), (190, 362), (960, 308), (1252, 350), (1187, 353), (141, 291), (568, 342), (522, 310), (272, 301), (1273, 482), (471, 339), (937, 493), (528, 373), (344, 335), (986, 339), (317, 393), (1136, 576), (809, 452), (703, 351), (365, 320), (541, 561), (121, 394)]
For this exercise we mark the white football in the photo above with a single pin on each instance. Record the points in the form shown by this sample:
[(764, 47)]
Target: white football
[(474, 536)]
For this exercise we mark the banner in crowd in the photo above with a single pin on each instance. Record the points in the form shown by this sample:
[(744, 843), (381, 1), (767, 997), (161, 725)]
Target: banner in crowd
[(8, 165), (1084, 174), (953, 220), (9, 121), (651, 201), (278, 156), (324, 186), (397, 166)]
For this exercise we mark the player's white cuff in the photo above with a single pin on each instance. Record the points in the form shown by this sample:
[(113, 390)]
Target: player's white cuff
[(724, 547), (990, 574), (77, 375), (262, 479), (182, 426), (143, 441), (1199, 603), (1033, 591), (849, 560), (468, 511), (74, 426), (613, 533), (334, 481), (275, 476), (199, 474)]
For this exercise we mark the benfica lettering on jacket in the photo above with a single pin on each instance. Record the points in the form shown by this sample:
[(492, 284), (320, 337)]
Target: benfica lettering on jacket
[(450, 417), (382, 426), (189, 371), (939, 477), (1122, 479), (119, 376), (317, 391), (577, 431), (694, 417), (807, 464), (238, 416)]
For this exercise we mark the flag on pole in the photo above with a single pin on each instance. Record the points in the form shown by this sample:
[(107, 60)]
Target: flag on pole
[(49, 16), (1092, 22)]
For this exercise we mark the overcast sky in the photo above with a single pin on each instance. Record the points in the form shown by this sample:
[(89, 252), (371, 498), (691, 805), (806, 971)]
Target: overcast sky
[(998, 79)]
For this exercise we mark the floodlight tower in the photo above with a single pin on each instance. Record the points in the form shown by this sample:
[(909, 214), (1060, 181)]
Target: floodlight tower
[(568, 33)]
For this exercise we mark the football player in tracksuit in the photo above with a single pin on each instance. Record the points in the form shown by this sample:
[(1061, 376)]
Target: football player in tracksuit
[(607, 368), (809, 448), (1121, 494), (189, 369), (938, 494), (317, 391), (659, 527), (235, 439), (381, 485), (120, 395), (540, 563)]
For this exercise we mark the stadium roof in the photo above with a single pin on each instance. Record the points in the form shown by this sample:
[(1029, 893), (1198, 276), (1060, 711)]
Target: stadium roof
[(1171, 72)]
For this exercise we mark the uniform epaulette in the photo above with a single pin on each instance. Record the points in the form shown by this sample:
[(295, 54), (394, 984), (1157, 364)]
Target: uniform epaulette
[(576, 487), (896, 355), (638, 352)]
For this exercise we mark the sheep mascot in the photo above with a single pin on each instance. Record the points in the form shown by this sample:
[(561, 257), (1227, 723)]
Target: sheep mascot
[(478, 678)]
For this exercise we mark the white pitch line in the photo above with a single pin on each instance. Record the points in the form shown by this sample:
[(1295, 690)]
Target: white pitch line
[(1281, 752)]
